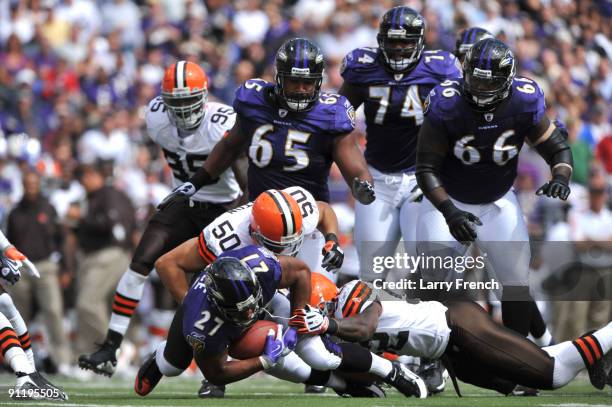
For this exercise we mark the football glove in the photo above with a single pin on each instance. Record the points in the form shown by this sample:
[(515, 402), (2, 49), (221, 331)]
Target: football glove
[(273, 348), (460, 225), (14, 254), (10, 270), (557, 187), (289, 340), (363, 191), (309, 320), (182, 191), (333, 255)]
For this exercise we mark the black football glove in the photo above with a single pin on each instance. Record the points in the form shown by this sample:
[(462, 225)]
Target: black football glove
[(333, 255), (363, 191), (557, 187), (181, 192), (460, 222)]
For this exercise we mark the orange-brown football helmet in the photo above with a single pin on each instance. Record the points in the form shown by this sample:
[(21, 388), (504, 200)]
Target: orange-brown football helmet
[(276, 222), (184, 91), (324, 293)]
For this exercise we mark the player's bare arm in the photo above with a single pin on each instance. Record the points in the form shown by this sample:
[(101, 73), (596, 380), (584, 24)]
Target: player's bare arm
[(551, 143), (333, 255), (295, 277), (349, 159), (352, 93), (218, 370), (359, 327), (240, 167), (173, 266), (431, 150), (221, 157), (328, 222)]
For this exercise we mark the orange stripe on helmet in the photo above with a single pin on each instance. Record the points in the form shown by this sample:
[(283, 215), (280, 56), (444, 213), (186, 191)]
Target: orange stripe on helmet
[(350, 304)]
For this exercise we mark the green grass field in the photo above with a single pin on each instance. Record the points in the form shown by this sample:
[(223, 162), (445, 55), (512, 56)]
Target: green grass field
[(263, 391)]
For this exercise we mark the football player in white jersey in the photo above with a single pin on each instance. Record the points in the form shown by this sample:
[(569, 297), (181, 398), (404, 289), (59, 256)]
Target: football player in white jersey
[(473, 347), (279, 220), (186, 127)]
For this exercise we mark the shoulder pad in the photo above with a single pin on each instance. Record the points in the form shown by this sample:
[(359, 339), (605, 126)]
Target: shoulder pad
[(440, 103), (529, 97), (354, 297), (221, 117), (251, 93), (267, 253), (156, 117), (442, 64), (358, 63)]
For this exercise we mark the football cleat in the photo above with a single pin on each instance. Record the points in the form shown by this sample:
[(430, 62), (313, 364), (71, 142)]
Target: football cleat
[(103, 361), (406, 382), (35, 387), (358, 390), (432, 372), (597, 374), (209, 390), (314, 389), (524, 391), (147, 377)]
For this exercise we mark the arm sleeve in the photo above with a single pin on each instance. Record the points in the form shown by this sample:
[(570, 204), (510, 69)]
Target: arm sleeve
[(431, 150)]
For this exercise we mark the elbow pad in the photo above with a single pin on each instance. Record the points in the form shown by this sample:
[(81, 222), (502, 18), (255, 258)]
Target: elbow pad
[(427, 170), (555, 150)]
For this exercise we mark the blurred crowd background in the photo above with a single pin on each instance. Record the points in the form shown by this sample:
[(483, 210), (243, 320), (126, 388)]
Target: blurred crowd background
[(76, 76)]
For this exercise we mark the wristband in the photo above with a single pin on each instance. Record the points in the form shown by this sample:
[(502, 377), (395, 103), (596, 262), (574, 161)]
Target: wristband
[(447, 208), (264, 363), (331, 237), (332, 328), (201, 178)]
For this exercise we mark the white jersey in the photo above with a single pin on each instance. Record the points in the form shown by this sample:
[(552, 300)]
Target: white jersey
[(231, 230), (403, 328), (186, 153)]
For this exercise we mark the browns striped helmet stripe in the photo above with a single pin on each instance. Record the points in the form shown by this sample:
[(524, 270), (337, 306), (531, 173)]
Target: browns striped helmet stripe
[(285, 209), (179, 75), (356, 292)]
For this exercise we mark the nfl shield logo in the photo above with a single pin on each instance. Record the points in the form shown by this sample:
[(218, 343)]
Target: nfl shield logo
[(282, 112), (488, 117), (398, 76)]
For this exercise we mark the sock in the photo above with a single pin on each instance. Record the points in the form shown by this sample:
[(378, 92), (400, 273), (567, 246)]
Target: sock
[(10, 347), (573, 356), (517, 314), (380, 366), (537, 328), (128, 294), (164, 366), (355, 358), (7, 307), (543, 340)]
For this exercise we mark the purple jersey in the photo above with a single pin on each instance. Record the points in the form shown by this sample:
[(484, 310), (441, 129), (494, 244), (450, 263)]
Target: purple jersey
[(480, 165), (290, 148), (393, 103), (203, 327)]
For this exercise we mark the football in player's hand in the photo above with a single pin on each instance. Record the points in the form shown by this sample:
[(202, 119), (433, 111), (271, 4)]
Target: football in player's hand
[(251, 343)]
